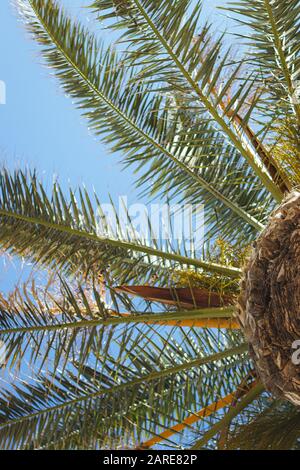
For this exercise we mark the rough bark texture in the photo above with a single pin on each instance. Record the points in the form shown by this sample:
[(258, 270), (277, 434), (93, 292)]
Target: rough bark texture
[(269, 304)]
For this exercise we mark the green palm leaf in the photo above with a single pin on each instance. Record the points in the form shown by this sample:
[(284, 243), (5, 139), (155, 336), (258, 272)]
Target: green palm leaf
[(274, 34), (88, 401), (272, 31), (164, 45), (39, 325), (265, 429), (131, 118), (59, 233), (93, 368)]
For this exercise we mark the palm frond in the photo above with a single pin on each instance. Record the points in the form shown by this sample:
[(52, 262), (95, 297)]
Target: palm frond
[(163, 43), (252, 395), (131, 118), (274, 35), (45, 324), (272, 31), (208, 410), (265, 430), (87, 403), (93, 368), (60, 233)]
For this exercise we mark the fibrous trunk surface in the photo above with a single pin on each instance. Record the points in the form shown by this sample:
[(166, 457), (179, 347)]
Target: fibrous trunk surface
[(269, 304)]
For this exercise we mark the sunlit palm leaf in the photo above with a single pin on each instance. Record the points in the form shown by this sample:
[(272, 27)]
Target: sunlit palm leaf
[(274, 35), (271, 29), (161, 37), (134, 120), (60, 233)]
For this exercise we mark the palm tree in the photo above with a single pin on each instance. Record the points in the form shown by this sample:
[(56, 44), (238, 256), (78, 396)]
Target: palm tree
[(202, 360)]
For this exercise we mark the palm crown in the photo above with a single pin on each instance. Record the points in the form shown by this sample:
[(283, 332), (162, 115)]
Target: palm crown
[(199, 125)]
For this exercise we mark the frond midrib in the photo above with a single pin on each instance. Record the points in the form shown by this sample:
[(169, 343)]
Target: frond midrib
[(117, 319)]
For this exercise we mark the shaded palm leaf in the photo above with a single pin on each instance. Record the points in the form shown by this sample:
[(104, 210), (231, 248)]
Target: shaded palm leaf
[(265, 430)]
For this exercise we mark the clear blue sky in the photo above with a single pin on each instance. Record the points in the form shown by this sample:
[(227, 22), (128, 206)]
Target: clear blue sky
[(40, 127)]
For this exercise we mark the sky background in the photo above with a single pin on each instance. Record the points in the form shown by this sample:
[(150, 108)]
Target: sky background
[(40, 128)]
